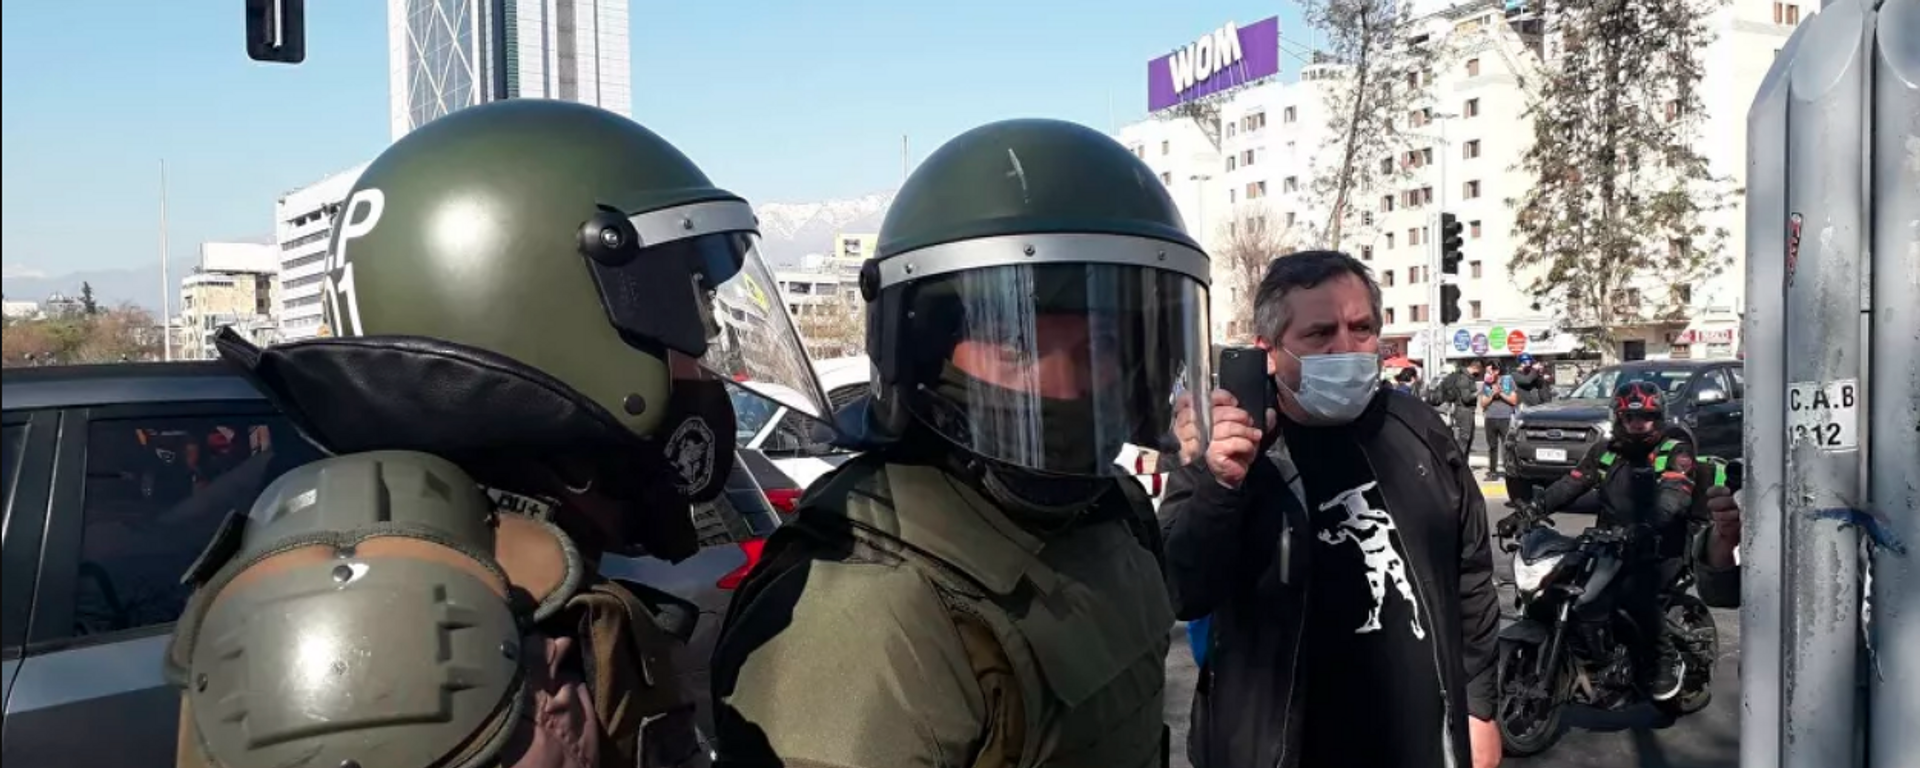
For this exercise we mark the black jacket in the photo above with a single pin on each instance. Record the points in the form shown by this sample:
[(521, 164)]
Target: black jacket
[(1239, 555), (1534, 387), (1458, 389), (1670, 500)]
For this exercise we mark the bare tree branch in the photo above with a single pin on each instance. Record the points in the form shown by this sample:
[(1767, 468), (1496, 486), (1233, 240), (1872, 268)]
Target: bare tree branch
[(1376, 106), (835, 328), (1252, 239)]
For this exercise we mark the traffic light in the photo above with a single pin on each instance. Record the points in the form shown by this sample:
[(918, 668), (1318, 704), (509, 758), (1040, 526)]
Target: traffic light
[(1449, 304), (1450, 242), (1450, 256), (277, 31)]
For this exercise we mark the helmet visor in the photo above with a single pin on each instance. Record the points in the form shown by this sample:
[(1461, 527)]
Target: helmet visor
[(711, 297), (751, 340), (1055, 367)]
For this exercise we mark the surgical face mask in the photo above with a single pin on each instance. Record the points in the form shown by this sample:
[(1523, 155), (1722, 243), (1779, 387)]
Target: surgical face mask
[(1335, 388)]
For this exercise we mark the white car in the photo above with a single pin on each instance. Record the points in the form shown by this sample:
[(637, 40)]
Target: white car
[(772, 420), (774, 426)]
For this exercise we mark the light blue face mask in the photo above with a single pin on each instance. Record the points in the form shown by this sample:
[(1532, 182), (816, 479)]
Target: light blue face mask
[(1336, 388)]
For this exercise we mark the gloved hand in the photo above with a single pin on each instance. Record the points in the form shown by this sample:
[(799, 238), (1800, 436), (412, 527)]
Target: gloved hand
[(1726, 525), (1510, 525)]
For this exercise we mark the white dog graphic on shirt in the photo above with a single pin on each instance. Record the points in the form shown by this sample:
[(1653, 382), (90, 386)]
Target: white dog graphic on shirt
[(1372, 530)]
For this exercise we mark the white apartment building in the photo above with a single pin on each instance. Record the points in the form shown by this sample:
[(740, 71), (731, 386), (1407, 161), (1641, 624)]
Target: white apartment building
[(1271, 135), (302, 229), (234, 286), (445, 55)]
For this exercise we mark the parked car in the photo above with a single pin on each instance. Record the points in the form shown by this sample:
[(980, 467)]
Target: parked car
[(107, 470), (772, 420), (1704, 398), (844, 378)]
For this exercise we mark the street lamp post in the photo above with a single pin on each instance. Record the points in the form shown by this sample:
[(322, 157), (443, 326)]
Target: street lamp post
[(1200, 208)]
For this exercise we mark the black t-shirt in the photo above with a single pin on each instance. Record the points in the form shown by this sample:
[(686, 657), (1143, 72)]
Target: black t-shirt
[(1373, 696)]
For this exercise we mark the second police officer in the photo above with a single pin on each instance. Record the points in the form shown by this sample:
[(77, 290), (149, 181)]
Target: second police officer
[(980, 587), (528, 297)]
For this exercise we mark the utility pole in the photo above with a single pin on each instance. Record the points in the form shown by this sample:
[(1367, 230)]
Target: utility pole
[(1436, 329), (906, 159), (166, 283), (1830, 628), (1200, 208)]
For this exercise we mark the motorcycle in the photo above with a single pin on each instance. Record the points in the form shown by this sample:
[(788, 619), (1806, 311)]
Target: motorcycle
[(1571, 643)]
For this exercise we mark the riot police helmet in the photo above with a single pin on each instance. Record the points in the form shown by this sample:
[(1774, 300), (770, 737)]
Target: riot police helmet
[(1035, 300)]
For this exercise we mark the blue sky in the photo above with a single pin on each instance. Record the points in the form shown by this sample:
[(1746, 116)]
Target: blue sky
[(784, 102)]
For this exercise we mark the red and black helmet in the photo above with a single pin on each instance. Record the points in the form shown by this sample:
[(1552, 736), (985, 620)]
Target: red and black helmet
[(1639, 398)]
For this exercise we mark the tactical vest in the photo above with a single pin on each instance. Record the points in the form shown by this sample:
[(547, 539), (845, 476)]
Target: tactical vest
[(1067, 636), (625, 642)]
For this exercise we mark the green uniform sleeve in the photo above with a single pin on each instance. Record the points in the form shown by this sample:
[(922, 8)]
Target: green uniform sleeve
[(845, 665)]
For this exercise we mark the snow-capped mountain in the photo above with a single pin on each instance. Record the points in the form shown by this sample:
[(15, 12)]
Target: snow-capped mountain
[(789, 231)]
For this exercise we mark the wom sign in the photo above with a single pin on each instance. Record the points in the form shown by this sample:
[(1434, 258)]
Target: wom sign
[(1226, 58), (1206, 56)]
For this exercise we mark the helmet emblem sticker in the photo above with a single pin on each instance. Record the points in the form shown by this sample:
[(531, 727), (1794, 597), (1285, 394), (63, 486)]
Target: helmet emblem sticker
[(690, 450), (358, 217)]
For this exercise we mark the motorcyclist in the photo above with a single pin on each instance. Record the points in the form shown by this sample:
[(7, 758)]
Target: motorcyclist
[(1644, 474), (520, 295), (981, 587)]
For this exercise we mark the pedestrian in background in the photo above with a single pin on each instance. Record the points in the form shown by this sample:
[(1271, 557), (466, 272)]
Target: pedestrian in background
[(1408, 381), (1339, 544), (1533, 380), (1457, 397), (1498, 400)]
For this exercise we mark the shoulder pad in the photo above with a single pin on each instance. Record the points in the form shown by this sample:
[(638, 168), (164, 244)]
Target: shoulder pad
[(420, 590)]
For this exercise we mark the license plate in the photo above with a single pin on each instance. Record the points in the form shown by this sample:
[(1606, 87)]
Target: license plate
[(1550, 454)]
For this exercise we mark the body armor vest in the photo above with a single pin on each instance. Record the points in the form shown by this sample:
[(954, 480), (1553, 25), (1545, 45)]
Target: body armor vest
[(1067, 636)]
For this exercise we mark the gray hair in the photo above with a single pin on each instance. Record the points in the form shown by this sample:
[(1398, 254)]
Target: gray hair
[(1303, 270)]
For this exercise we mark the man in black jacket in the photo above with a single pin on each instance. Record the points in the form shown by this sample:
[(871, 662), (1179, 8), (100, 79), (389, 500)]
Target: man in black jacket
[(1458, 395), (1533, 380), (1342, 551)]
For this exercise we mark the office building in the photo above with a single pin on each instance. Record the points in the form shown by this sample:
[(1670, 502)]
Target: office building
[(445, 55), (303, 227), (851, 249), (235, 285)]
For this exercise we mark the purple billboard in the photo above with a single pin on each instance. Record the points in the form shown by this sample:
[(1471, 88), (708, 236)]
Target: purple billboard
[(1225, 58)]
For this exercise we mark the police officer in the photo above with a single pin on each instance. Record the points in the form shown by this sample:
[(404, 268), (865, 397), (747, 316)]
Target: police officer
[(1645, 476), (520, 297), (980, 588)]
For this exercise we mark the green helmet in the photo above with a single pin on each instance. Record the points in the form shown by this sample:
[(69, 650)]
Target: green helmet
[(1036, 300), (534, 285), (569, 239)]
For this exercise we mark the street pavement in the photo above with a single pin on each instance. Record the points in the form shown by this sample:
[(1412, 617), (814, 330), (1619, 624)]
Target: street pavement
[(1634, 738)]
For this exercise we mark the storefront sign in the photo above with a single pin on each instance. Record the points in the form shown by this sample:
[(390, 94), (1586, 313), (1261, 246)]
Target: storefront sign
[(1696, 336)]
